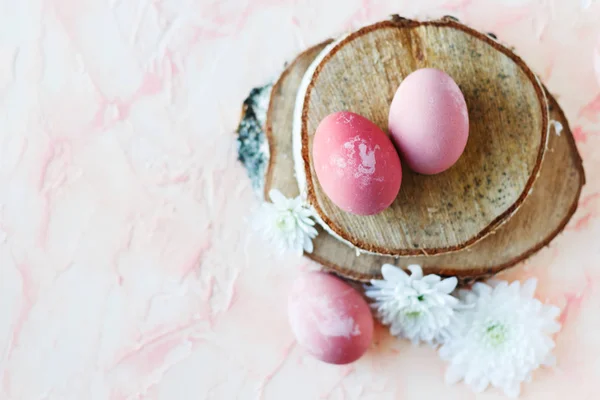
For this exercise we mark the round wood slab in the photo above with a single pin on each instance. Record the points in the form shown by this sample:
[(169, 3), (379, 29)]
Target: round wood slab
[(508, 133), (281, 108), (542, 216)]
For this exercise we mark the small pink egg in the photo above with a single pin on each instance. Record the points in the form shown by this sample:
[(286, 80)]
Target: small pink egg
[(329, 319), (356, 163), (429, 121)]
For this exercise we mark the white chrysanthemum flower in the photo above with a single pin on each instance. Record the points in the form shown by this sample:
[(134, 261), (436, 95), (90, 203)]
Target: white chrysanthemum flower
[(504, 334), (287, 223), (416, 307)]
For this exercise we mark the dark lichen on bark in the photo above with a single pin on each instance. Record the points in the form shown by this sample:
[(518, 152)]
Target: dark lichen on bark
[(252, 143)]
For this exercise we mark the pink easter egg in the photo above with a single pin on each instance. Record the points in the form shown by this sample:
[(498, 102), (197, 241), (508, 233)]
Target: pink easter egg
[(329, 318), (356, 163), (429, 121)]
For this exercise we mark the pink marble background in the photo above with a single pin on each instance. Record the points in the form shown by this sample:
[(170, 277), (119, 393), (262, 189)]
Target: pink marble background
[(128, 269)]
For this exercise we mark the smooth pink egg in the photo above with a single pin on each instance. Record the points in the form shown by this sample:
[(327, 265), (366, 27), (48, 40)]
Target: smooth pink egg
[(329, 318), (356, 163), (429, 121)]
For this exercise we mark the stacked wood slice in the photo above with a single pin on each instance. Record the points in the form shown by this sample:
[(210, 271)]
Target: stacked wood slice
[(512, 191)]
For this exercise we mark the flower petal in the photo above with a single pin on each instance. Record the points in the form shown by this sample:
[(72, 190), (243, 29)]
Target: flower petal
[(308, 244), (431, 279), (416, 271), (447, 285), (392, 273), (453, 375), (480, 288), (500, 337), (550, 361), (551, 312), (413, 306), (277, 197), (512, 390), (529, 287), (480, 385)]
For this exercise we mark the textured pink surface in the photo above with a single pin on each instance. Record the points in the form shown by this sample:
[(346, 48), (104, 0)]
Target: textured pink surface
[(127, 267), (356, 163), (329, 318), (429, 121)]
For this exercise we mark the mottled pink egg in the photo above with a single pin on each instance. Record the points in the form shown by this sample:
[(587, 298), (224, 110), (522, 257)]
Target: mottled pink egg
[(429, 121), (356, 163), (330, 319)]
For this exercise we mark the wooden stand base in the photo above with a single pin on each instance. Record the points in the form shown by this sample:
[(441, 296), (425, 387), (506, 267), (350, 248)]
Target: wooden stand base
[(543, 214)]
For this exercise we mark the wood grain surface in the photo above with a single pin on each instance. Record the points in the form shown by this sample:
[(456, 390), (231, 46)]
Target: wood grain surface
[(281, 108), (508, 131), (542, 216)]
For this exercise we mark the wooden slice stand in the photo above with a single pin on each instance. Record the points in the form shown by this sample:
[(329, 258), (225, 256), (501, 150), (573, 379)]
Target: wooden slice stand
[(507, 137), (542, 206)]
